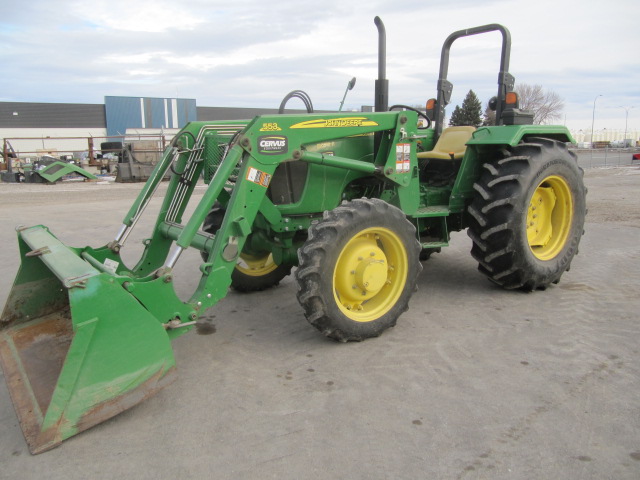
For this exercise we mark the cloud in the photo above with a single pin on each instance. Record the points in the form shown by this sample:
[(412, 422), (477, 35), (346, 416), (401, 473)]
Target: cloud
[(251, 52)]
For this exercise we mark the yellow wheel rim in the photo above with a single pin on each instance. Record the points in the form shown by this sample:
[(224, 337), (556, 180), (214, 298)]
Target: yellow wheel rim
[(370, 274), (256, 265), (549, 217)]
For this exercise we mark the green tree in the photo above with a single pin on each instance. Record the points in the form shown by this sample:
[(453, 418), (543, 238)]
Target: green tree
[(469, 114)]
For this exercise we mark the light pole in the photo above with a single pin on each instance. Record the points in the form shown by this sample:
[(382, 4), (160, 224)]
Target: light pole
[(593, 118), (626, 119)]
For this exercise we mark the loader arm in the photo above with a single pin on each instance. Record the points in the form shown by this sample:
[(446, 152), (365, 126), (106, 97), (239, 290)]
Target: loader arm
[(258, 155), (255, 155)]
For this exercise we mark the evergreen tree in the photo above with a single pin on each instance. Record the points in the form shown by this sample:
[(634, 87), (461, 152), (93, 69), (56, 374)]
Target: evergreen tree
[(469, 114), (456, 117)]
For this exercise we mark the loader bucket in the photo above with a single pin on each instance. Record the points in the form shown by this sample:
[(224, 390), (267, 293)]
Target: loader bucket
[(76, 348)]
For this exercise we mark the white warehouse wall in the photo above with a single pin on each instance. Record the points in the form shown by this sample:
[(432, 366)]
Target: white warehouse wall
[(37, 139)]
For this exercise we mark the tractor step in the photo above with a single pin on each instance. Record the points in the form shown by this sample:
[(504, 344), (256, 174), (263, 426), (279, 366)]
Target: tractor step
[(432, 211), (435, 211), (434, 244)]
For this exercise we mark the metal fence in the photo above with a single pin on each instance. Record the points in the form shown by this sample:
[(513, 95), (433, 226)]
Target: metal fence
[(607, 157)]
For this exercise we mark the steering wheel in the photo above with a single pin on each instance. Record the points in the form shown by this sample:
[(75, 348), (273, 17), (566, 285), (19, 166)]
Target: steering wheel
[(420, 114)]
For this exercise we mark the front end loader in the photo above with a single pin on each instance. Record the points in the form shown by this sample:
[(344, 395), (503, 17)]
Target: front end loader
[(355, 201)]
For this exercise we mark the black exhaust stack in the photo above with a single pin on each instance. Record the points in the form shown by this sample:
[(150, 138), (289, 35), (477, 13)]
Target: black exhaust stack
[(382, 84)]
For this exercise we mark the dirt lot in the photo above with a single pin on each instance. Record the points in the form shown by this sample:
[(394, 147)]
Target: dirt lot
[(473, 383)]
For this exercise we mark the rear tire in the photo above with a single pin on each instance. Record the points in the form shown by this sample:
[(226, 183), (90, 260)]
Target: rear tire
[(358, 269), (527, 216)]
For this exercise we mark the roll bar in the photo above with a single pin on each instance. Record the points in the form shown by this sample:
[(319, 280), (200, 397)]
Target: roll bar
[(506, 81)]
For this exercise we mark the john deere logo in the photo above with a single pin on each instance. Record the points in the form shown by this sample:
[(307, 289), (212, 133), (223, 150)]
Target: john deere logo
[(337, 123), (272, 145)]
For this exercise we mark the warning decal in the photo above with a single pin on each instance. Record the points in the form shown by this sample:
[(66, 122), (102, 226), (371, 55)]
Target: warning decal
[(256, 176), (111, 265), (403, 157)]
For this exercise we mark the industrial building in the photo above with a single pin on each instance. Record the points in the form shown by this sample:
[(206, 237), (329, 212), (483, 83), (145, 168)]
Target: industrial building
[(31, 127)]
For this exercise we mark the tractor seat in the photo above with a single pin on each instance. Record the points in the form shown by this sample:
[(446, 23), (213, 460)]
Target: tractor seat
[(451, 145)]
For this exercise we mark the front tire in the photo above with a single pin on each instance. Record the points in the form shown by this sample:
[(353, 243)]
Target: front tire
[(358, 269), (253, 272), (527, 216)]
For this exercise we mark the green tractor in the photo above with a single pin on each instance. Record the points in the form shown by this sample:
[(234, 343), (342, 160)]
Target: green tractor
[(355, 201)]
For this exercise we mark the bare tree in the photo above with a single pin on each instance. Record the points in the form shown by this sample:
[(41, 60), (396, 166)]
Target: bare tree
[(488, 117), (546, 106)]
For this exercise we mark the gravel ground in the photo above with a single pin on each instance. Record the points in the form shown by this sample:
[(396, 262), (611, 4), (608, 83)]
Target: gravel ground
[(614, 195), (473, 383)]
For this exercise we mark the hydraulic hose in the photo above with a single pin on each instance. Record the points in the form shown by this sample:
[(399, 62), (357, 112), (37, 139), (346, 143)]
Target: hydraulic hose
[(297, 94)]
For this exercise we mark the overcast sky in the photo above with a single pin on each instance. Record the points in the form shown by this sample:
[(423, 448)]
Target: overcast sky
[(243, 53)]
